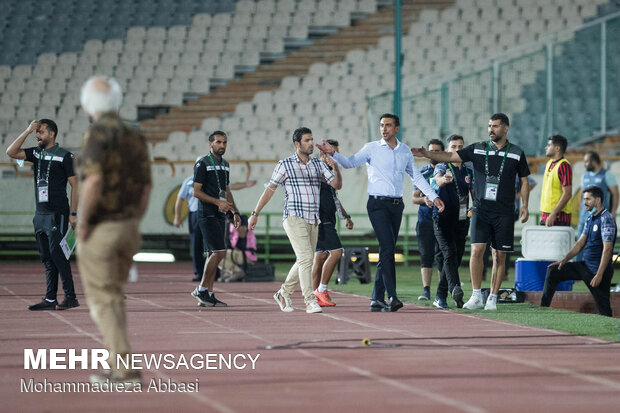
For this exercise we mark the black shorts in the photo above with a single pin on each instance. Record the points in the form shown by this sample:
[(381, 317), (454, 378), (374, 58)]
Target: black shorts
[(328, 239), (213, 230), (426, 243), (500, 229)]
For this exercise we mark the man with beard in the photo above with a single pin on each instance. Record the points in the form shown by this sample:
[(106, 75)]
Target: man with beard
[(596, 243), (557, 185), (53, 168), (424, 227), (301, 178), (212, 188), (387, 162), (496, 163), (596, 175)]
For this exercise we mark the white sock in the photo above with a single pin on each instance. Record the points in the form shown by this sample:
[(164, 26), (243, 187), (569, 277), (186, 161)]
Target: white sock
[(49, 301), (322, 288), (201, 288), (493, 297), (477, 292), (210, 293)]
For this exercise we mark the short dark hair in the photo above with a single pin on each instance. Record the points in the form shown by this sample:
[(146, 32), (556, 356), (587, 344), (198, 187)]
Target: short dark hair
[(437, 142), (51, 126), (501, 117), (391, 116), (594, 156), (332, 142), (299, 132), (217, 132), (454, 137), (595, 191), (559, 140)]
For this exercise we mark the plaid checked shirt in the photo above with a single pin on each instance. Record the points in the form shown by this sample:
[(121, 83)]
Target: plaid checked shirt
[(302, 186)]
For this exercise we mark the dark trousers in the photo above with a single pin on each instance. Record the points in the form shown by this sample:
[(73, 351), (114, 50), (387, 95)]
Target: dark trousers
[(195, 240), (385, 217), (450, 237), (578, 271), (49, 231)]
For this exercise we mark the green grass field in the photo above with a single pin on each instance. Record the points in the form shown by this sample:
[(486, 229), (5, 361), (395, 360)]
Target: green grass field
[(410, 287)]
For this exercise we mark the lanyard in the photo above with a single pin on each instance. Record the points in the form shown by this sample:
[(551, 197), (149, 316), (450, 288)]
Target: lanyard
[(486, 161), (456, 182), (49, 164), (217, 176)]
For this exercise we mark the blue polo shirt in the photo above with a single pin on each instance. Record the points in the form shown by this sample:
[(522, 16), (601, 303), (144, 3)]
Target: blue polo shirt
[(425, 214), (598, 229)]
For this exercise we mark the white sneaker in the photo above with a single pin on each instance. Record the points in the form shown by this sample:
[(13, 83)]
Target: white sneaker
[(491, 304), (474, 302), (313, 307), (285, 303)]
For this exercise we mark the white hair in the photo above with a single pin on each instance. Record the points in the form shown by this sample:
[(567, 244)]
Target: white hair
[(101, 94)]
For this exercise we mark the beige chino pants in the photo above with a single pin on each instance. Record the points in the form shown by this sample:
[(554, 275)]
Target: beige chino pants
[(302, 236), (104, 261)]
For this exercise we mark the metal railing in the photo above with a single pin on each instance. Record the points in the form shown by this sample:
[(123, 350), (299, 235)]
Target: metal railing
[(566, 83)]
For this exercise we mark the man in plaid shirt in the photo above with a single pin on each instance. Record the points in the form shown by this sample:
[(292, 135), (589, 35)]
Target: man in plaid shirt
[(300, 176)]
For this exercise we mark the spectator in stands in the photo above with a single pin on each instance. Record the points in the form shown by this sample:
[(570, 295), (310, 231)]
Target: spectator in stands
[(186, 194), (424, 227), (328, 247), (387, 161), (555, 208), (454, 183), (596, 175), (53, 168), (301, 178), (212, 188), (496, 163), (115, 184), (597, 243)]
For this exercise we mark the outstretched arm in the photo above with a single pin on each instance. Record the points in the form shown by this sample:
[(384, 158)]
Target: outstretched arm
[(437, 156)]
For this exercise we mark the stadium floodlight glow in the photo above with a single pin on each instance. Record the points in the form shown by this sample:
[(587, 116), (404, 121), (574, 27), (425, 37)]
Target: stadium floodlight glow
[(153, 257)]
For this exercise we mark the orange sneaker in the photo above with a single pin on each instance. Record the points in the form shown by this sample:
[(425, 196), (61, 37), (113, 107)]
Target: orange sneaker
[(324, 299)]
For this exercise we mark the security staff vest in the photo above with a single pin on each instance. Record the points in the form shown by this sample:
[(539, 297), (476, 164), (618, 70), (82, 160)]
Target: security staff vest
[(552, 189)]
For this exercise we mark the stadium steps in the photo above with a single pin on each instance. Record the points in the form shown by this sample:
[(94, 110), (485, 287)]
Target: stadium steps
[(363, 34)]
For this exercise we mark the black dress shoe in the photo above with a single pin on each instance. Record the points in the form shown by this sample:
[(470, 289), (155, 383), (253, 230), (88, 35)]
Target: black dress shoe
[(377, 306), (395, 304)]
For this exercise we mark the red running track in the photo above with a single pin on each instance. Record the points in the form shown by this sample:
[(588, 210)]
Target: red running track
[(420, 359)]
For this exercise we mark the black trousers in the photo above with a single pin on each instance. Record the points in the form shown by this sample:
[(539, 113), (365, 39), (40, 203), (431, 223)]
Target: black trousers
[(385, 216), (451, 236), (579, 271), (196, 245), (49, 230)]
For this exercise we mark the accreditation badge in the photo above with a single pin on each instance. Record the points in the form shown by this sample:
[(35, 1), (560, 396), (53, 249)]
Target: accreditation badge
[(43, 191), (491, 187), (463, 208)]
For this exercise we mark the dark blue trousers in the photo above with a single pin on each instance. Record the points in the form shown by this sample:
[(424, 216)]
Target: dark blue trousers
[(385, 217)]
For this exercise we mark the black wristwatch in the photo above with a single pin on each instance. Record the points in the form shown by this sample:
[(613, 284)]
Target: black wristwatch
[(73, 214), (237, 213)]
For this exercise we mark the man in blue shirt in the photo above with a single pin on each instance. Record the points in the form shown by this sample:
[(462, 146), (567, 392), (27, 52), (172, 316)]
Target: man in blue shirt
[(387, 160), (597, 242), (186, 193), (424, 227), (596, 175)]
